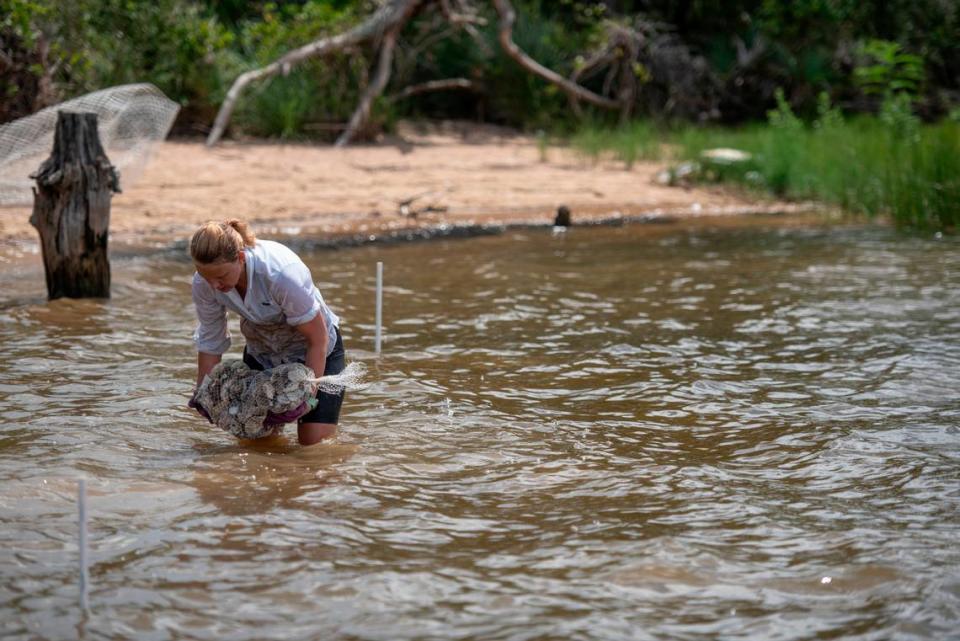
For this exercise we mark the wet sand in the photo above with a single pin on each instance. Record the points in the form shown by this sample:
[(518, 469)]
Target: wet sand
[(412, 184)]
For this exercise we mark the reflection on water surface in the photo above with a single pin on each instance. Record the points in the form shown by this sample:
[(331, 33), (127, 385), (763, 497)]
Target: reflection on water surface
[(740, 431)]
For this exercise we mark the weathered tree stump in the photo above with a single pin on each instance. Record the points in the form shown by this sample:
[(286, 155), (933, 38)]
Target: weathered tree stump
[(71, 209)]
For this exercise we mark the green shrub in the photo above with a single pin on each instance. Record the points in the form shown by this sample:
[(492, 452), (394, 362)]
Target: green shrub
[(100, 43), (314, 95), (637, 140), (887, 166), (864, 166), (889, 69)]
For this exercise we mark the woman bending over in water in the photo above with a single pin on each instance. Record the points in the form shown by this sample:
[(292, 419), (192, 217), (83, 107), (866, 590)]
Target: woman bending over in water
[(282, 314)]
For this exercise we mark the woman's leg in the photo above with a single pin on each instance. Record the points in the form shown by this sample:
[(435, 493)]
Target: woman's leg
[(313, 433)]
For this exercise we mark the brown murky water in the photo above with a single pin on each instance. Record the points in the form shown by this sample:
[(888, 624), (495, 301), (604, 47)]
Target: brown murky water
[(738, 432)]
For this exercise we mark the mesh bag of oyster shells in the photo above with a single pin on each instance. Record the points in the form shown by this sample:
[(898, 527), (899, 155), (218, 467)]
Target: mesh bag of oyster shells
[(242, 401)]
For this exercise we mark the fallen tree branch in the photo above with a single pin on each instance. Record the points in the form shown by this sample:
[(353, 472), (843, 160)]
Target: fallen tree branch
[(435, 85), (388, 17), (465, 16), (507, 18), (374, 89), (588, 68), (467, 19), (384, 28), (619, 57), (404, 206)]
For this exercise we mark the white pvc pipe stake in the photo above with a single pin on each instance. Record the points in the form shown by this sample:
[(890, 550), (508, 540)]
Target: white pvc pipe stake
[(82, 523), (379, 306)]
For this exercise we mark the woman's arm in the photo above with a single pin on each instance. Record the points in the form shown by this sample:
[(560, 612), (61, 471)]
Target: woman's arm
[(212, 338), (315, 333), (205, 363)]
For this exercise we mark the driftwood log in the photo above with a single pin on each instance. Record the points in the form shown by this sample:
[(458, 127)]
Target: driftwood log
[(71, 209)]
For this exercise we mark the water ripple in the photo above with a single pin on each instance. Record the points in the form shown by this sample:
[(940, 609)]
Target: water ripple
[(637, 433)]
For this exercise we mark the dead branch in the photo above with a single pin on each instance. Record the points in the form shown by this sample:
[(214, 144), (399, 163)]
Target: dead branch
[(587, 69), (592, 65), (618, 57), (384, 27), (388, 17), (409, 56), (507, 18), (630, 45), (466, 18), (443, 24), (374, 89), (448, 84), (409, 200), (404, 206)]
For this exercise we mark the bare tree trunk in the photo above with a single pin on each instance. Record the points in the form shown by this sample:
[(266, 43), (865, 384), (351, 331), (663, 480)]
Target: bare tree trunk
[(71, 210), (374, 89), (394, 13), (507, 18), (628, 79)]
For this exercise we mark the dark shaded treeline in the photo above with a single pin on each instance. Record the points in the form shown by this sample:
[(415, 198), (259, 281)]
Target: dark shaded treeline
[(699, 60)]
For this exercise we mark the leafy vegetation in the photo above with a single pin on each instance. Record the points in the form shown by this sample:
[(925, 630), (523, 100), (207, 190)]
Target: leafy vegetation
[(852, 101), (881, 166), (711, 60)]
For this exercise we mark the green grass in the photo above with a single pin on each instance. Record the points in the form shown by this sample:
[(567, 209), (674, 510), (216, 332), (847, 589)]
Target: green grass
[(869, 165), (635, 141)]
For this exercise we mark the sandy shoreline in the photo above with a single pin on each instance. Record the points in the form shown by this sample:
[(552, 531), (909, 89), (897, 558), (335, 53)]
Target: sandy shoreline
[(420, 181)]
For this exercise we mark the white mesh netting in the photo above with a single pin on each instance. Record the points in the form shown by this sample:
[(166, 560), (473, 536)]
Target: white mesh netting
[(131, 120)]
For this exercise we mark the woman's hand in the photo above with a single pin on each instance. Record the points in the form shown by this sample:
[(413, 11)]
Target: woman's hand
[(194, 405), (205, 363)]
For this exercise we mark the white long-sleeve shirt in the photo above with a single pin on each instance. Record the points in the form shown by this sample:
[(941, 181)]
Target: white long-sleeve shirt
[(280, 295)]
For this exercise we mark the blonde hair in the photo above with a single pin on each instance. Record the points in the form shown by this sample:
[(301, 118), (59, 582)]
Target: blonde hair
[(220, 242)]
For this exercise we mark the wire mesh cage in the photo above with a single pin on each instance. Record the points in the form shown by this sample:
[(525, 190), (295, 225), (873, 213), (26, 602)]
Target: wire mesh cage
[(132, 119)]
